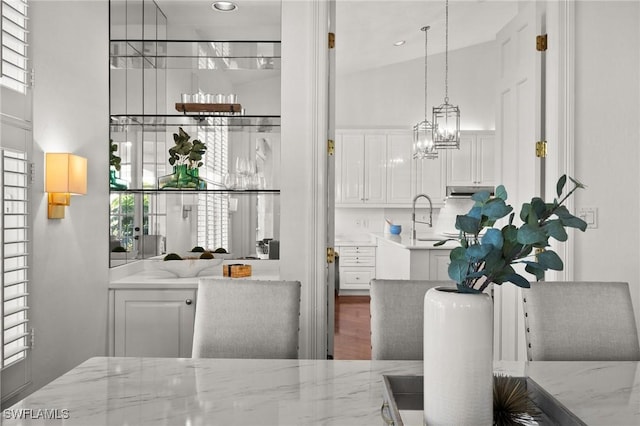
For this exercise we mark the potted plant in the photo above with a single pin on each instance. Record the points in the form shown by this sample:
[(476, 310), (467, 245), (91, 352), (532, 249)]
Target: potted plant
[(186, 158), (114, 166), (458, 321)]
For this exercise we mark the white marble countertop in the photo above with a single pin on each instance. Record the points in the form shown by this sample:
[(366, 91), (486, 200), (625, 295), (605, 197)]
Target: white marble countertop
[(170, 391), (142, 275), (404, 240)]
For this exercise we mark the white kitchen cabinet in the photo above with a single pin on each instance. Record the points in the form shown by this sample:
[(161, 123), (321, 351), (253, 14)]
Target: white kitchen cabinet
[(376, 168), (476, 162), (400, 168), (153, 323), (361, 158), (430, 179), (357, 267)]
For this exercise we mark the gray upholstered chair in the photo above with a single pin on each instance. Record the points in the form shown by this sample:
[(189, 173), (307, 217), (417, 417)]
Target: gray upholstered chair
[(397, 317), (246, 319), (580, 321)]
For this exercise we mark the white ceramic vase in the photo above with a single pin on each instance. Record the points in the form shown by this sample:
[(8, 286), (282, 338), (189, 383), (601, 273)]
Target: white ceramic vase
[(458, 358)]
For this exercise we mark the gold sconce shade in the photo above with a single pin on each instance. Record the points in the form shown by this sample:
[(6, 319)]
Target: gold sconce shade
[(65, 175)]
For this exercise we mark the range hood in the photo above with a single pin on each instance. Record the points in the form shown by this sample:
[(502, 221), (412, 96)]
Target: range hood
[(467, 191)]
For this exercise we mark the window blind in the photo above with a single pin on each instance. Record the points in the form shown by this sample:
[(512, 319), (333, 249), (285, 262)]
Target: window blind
[(14, 45), (15, 266), (213, 208)]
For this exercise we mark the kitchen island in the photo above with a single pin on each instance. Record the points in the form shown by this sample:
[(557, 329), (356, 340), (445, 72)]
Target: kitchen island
[(179, 391), (402, 258)]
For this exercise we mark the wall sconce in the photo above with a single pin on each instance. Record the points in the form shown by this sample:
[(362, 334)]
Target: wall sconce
[(66, 174)]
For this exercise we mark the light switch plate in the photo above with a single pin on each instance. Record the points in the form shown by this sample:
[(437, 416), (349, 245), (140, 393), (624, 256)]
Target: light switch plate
[(589, 215)]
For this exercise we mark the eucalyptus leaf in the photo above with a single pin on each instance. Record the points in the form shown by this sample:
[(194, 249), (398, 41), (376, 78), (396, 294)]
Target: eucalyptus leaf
[(554, 228), (518, 280), (560, 185), (496, 209), (525, 210), (549, 259), (477, 252), (493, 237), (481, 196), (535, 270), (531, 234), (501, 192), (458, 253), (468, 224), (458, 270)]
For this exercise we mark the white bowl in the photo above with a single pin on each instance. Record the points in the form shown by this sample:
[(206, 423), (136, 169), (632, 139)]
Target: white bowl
[(187, 267), (223, 255)]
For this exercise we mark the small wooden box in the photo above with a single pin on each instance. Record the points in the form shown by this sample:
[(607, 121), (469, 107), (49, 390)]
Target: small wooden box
[(236, 270)]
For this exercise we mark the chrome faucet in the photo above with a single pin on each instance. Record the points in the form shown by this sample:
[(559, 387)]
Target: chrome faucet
[(413, 215)]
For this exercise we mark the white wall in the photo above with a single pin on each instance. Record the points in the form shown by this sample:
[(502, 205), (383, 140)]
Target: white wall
[(394, 95), (68, 286), (607, 135)]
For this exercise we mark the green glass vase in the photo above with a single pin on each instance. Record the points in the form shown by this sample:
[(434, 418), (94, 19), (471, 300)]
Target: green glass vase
[(182, 178), (115, 182)]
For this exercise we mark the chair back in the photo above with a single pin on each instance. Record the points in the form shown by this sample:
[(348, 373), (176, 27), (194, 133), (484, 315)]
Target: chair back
[(246, 319), (397, 317), (580, 321)]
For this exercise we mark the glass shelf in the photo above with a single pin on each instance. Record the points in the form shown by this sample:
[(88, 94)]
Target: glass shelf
[(196, 191), (233, 123), (195, 55)]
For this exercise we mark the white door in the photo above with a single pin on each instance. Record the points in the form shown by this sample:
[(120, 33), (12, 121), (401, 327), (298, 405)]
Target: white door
[(517, 129), (331, 186)]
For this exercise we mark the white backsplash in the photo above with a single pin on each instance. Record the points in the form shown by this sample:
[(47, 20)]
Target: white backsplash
[(356, 223)]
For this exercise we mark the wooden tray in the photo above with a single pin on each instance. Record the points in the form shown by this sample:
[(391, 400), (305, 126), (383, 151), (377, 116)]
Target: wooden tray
[(405, 393), (198, 107)]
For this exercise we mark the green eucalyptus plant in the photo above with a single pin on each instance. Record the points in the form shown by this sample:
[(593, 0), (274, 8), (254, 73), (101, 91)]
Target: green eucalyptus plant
[(486, 254), (186, 152), (114, 160)]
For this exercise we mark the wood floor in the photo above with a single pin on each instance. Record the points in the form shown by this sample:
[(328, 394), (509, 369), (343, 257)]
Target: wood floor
[(352, 338)]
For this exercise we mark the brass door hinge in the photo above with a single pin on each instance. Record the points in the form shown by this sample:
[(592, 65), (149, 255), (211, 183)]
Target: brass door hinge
[(332, 40), (331, 255), (541, 43), (541, 149), (331, 147)]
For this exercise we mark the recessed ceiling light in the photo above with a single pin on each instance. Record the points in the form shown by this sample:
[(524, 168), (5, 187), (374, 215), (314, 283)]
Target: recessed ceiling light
[(224, 6), (399, 42)]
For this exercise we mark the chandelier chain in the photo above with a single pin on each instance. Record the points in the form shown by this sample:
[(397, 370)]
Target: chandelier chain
[(426, 41), (446, 53)]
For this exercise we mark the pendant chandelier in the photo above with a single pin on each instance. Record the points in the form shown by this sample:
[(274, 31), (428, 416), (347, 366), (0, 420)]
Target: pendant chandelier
[(446, 117), (423, 146)]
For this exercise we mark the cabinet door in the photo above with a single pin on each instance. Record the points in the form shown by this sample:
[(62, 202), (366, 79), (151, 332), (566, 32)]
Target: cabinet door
[(400, 170), (462, 163), (352, 169), (439, 265), (487, 163), (375, 177), (431, 178), (154, 323)]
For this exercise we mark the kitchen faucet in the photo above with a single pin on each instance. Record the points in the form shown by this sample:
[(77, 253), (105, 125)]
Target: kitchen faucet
[(413, 215)]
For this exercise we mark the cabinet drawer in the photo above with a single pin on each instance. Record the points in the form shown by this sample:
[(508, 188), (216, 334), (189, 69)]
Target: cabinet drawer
[(357, 261), (356, 278), (346, 251)]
